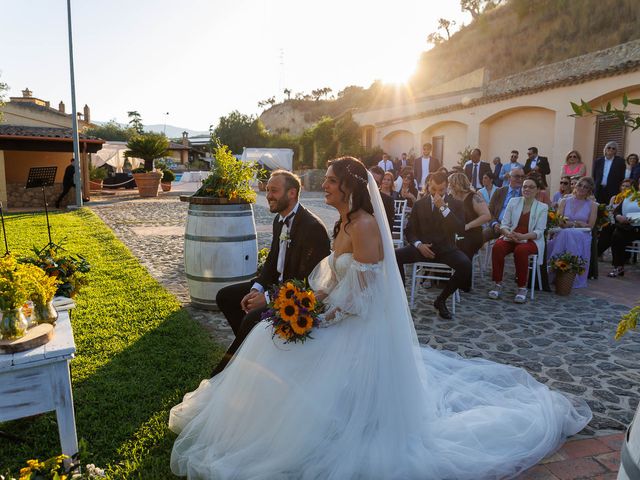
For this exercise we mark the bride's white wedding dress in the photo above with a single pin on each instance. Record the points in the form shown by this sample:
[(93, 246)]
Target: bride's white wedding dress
[(363, 400)]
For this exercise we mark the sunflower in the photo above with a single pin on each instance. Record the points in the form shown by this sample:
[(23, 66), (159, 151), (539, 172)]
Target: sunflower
[(287, 291), (552, 216), (302, 324), (561, 265), (307, 300), (283, 332), (288, 310)]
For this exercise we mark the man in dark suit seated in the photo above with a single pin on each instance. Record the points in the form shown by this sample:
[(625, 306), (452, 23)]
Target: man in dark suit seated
[(293, 255), (608, 173), (431, 231), (537, 164), (499, 201), (475, 169)]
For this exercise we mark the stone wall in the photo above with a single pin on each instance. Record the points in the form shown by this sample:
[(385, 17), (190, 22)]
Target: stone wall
[(20, 197)]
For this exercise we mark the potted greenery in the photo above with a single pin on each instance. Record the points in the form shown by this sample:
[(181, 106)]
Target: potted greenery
[(147, 147), (167, 177), (566, 266), (96, 177), (220, 235)]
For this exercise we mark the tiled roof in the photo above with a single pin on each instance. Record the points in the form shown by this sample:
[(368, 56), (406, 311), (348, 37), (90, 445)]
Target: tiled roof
[(604, 63), (43, 132), (41, 108)]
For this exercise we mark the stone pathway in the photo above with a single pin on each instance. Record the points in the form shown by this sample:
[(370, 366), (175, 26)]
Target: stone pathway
[(565, 342)]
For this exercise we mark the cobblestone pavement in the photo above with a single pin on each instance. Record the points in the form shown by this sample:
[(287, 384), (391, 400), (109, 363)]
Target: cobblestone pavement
[(565, 342)]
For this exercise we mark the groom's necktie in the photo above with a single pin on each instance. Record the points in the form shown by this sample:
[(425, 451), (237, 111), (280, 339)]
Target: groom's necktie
[(474, 175), (284, 243)]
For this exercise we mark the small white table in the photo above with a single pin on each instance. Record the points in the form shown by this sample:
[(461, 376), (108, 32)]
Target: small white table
[(38, 381)]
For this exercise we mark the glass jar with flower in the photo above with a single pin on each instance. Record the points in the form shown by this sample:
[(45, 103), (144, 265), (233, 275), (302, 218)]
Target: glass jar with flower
[(14, 293), (41, 288)]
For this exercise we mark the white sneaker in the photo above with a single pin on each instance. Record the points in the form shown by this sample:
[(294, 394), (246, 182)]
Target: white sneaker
[(496, 293), (521, 296)]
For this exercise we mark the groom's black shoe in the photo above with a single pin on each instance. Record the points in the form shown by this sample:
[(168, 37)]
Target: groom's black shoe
[(441, 305)]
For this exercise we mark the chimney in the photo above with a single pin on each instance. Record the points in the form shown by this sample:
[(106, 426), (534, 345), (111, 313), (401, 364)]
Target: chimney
[(26, 93), (87, 114), (185, 139), (61, 107)]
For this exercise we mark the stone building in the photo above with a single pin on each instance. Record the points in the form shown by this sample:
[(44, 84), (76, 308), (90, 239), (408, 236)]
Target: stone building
[(33, 134), (531, 108)]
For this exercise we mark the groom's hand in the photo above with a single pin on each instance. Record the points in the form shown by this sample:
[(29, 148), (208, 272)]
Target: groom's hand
[(256, 301), (244, 303), (425, 250)]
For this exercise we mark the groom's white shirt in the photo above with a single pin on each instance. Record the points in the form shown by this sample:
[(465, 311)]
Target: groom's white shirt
[(282, 252)]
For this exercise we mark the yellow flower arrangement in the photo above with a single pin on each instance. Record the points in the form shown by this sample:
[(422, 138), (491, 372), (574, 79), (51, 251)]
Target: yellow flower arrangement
[(629, 321), (293, 311)]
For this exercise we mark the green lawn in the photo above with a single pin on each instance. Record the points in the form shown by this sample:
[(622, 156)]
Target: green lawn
[(138, 352)]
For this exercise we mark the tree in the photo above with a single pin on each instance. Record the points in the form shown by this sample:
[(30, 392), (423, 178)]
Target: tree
[(271, 101), (3, 88), (287, 92), (629, 119), (478, 7), (111, 131), (135, 121), (148, 147), (444, 24), (238, 130)]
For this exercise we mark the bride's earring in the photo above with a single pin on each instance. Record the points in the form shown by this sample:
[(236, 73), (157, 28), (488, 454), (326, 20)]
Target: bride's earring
[(350, 201)]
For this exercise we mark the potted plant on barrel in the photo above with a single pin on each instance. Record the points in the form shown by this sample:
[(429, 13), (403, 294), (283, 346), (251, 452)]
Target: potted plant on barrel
[(147, 147), (566, 266), (220, 235), (167, 177)]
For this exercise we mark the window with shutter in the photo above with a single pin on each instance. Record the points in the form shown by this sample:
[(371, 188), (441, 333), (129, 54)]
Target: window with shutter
[(608, 129)]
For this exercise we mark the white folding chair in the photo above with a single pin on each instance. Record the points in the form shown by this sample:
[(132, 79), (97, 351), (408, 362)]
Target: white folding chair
[(634, 250), (534, 268), (487, 253), (397, 229), (432, 271), (476, 260)]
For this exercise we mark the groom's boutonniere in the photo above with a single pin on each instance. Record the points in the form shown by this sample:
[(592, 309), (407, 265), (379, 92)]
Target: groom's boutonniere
[(284, 235)]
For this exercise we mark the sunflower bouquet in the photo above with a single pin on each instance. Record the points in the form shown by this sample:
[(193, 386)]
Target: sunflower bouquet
[(604, 216), (565, 262), (553, 219), (293, 311)]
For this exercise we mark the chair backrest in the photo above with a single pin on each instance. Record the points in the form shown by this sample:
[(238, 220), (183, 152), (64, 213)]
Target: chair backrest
[(397, 229)]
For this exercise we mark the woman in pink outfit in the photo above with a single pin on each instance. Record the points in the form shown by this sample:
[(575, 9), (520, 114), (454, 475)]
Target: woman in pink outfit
[(573, 165)]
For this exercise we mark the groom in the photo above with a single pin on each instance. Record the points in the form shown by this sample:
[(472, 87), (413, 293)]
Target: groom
[(299, 242)]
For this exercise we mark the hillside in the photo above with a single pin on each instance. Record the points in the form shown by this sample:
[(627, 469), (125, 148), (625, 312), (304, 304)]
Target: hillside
[(524, 34), (518, 36)]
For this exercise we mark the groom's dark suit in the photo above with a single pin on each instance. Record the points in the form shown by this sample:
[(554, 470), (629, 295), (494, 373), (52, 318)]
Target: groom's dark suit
[(428, 225), (309, 243)]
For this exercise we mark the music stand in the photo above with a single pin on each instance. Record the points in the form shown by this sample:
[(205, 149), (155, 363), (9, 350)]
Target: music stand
[(40, 177)]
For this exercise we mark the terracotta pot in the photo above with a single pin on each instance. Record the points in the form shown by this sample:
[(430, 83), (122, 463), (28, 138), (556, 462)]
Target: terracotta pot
[(95, 185), (564, 282), (166, 186), (148, 183)]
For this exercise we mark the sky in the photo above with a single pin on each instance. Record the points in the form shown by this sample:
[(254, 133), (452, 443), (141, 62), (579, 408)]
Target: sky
[(187, 63)]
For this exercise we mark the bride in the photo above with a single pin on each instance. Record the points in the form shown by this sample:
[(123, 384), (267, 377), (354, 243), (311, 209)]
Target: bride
[(362, 399)]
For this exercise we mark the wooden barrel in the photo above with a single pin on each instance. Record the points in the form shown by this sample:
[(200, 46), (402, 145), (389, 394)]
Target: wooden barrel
[(630, 454), (220, 248)]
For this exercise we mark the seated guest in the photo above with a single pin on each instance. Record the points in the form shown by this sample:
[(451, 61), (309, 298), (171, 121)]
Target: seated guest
[(431, 231), (499, 201), (488, 187), (606, 233), (632, 166), (627, 230), (573, 165), (543, 194), (476, 213), (578, 210), (386, 186), (409, 190), (574, 182), (565, 189), (522, 232), (387, 201)]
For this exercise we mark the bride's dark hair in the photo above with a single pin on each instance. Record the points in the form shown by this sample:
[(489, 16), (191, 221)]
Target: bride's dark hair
[(352, 175)]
